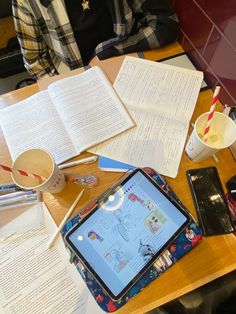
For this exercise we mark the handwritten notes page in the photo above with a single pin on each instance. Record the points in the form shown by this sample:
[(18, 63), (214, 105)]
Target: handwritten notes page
[(161, 99), (36, 280)]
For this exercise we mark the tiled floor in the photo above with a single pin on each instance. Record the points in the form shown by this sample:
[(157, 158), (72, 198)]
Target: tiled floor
[(8, 84)]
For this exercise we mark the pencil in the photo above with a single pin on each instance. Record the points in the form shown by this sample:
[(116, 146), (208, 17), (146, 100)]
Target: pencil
[(64, 219)]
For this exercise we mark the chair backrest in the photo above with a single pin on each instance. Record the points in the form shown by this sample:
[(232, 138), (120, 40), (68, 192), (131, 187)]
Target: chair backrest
[(5, 8), (10, 56)]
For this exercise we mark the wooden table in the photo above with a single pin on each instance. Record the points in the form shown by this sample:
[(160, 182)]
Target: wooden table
[(211, 259)]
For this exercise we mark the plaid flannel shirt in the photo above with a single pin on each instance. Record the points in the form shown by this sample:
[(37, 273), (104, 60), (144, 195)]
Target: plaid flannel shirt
[(48, 45)]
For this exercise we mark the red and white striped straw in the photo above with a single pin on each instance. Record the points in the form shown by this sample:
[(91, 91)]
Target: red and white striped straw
[(211, 113), (23, 173)]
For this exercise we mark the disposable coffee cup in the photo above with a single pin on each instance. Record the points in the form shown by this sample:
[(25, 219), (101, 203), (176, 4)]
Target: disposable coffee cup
[(221, 135), (39, 162)]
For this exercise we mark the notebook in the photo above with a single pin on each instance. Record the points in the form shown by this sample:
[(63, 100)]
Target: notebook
[(108, 164)]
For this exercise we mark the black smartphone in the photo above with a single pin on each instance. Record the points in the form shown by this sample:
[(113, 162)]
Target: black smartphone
[(209, 201)]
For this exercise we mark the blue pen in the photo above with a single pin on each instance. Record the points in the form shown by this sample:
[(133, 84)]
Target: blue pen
[(9, 188)]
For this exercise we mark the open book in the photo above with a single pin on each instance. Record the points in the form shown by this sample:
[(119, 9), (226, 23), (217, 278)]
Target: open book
[(72, 115), (161, 99)]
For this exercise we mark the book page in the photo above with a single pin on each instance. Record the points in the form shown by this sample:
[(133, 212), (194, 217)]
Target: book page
[(155, 87), (35, 123), (150, 144), (34, 279), (89, 108)]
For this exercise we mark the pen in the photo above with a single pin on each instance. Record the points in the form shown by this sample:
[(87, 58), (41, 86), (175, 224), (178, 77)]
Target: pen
[(27, 199), (17, 198), (78, 162), (9, 188)]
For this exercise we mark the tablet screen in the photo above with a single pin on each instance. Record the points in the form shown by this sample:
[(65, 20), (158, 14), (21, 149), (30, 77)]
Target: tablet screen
[(128, 230)]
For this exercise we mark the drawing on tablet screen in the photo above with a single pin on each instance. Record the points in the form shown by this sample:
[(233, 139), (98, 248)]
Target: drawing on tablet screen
[(146, 251), (154, 221), (117, 258), (93, 235)]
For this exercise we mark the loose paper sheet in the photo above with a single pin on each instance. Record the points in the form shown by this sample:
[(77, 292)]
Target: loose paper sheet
[(182, 61), (19, 219), (36, 280), (161, 100)]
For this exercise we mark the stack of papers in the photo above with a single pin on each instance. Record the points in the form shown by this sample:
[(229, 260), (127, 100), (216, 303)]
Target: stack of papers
[(34, 279)]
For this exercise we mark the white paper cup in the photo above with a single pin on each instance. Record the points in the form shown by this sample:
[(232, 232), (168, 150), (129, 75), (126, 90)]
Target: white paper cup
[(221, 135), (39, 162)]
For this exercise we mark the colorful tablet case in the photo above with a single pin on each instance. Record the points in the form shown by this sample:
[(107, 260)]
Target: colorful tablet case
[(181, 245)]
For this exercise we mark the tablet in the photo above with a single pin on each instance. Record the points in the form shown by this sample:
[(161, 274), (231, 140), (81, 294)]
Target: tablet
[(132, 224)]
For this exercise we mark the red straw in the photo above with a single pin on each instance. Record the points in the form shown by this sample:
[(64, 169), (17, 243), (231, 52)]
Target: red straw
[(211, 113), (22, 172)]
